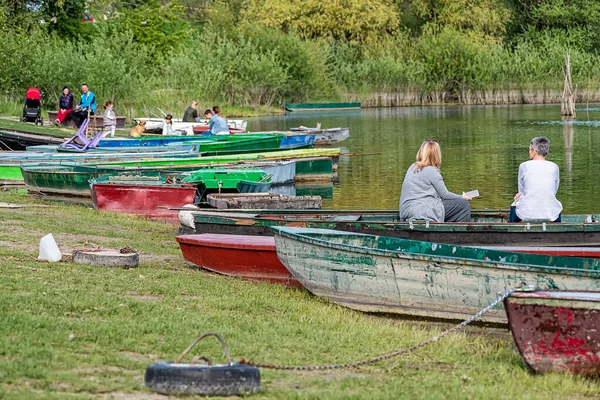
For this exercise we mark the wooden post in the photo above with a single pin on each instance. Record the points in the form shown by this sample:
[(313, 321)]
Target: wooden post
[(567, 107)]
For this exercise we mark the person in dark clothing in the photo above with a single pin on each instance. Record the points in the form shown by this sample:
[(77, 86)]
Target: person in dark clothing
[(65, 106), (191, 113)]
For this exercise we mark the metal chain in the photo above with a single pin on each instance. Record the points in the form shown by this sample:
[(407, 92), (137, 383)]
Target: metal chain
[(388, 355)]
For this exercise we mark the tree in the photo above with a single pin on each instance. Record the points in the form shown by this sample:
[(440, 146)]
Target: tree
[(156, 25), (342, 19), (64, 16), (481, 17)]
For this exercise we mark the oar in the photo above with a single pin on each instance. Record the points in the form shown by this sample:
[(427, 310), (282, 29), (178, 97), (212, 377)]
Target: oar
[(266, 178)]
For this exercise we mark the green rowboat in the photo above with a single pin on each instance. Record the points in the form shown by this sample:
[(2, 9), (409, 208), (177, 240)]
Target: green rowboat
[(321, 106), (391, 275)]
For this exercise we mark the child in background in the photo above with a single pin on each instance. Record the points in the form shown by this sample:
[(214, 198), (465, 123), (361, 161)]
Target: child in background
[(168, 126), (110, 119)]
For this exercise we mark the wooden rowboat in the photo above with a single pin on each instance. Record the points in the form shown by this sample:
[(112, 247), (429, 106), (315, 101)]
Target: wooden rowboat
[(262, 200), (489, 227), (557, 330), (248, 257), (149, 196), (391, 275)]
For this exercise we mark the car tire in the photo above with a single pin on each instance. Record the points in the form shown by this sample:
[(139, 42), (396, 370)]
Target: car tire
[(202, 379)]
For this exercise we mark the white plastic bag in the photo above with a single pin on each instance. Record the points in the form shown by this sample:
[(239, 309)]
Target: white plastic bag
[(186, 217), (49, 249)]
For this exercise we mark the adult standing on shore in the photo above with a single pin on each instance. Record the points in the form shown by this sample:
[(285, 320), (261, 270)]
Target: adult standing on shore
[(86, 106), (65, 104), (191, 113)]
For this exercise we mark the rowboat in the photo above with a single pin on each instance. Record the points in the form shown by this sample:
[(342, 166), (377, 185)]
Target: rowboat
[(248, 257), (153, 123), (263, 200), (556, 331), (71, 181), (149, 196), (312, 165), (10, 168), (214, 143), (424, 279), (321, 106), (15, 140), (211, 180), (322, 136), (325, 136), (191, 147), (489, 227), (281, 172)]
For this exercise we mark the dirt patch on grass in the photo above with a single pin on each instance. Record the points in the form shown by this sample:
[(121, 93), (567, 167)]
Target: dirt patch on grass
[(139, 357), (135, 396), (145, 297)]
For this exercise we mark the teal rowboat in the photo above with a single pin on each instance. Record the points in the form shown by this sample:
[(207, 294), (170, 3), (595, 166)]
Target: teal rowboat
[(321, 106), (390, 275)]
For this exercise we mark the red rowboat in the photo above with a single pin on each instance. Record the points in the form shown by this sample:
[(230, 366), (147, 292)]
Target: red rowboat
[(248, 257), (143, 199), (556, 330), (198, 130)]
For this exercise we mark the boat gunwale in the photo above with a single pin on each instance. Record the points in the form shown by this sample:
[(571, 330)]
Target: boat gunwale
[(506, 265)]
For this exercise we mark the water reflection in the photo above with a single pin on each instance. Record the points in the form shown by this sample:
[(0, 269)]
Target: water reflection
[(482, 147)]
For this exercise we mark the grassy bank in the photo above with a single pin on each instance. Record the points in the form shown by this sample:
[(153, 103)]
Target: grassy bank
[(73, 331)]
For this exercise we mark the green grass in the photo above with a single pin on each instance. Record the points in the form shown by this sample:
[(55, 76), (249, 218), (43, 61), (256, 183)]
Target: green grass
[(75, 331)]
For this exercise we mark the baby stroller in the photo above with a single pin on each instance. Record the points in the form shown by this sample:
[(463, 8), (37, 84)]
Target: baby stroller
[(32, 109)]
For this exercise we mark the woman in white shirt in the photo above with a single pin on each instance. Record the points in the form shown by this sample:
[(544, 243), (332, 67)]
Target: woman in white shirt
[(538, 184)]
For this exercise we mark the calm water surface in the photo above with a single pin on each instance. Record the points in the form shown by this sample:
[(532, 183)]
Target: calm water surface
[(482, 147)]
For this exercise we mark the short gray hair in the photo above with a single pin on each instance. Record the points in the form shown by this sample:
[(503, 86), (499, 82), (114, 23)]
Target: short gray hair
[(541, 145)]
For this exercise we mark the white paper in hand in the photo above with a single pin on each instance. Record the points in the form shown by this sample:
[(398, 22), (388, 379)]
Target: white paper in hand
[(473, 193)]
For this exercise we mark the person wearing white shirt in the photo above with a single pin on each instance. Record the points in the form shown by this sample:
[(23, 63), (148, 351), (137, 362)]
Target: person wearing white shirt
[(538, 184)]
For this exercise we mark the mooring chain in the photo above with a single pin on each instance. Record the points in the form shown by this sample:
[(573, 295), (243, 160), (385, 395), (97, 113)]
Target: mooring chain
[(388, 355)]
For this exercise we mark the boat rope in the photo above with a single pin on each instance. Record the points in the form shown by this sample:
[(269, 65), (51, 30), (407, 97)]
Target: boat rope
[(387, 356)]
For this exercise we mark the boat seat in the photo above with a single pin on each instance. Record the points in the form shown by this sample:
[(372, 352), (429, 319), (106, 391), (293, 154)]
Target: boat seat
[(346, 218)]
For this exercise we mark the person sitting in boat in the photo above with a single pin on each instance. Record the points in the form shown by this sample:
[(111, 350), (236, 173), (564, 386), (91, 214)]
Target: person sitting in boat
[(424, 195), (217, 122), (191, 113), (538, 184), (86, 106)]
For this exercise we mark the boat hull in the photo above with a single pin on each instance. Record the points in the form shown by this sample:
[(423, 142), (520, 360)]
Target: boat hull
[(146, 200), (321, 106), (246, 257), (431, 280), (557, 331)]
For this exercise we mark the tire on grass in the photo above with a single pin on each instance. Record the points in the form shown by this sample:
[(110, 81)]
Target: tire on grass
[(201, 379)]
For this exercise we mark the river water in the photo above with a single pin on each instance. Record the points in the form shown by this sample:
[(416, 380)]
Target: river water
[(482, 147)]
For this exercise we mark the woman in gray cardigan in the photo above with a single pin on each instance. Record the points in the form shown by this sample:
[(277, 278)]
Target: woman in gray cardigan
[(424, 195)]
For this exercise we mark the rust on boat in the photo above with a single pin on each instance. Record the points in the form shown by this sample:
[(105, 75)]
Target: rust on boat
[(557, 330)]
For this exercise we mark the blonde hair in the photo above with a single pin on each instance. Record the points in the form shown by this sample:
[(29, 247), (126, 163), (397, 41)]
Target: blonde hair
[(429, 154)]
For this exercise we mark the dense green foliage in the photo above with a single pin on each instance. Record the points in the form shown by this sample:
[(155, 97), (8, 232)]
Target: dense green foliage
[(249, 54)]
